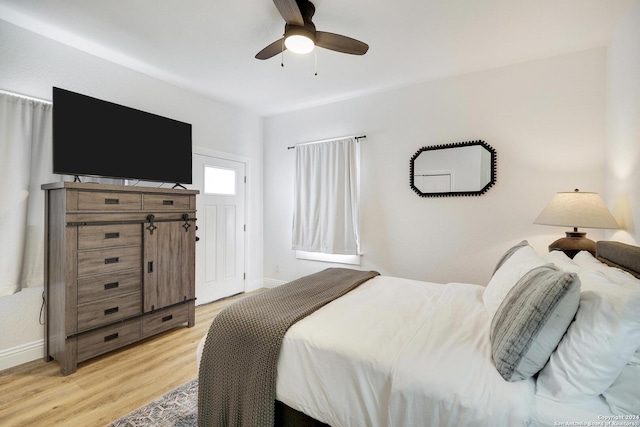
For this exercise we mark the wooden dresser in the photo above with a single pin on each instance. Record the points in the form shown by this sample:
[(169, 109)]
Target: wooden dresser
[(119, 266)]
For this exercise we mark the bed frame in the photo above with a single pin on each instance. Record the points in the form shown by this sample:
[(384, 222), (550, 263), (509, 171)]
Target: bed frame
[(615, 254), (288, 417)]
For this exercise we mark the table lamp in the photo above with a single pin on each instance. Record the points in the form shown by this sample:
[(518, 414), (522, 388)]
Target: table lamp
[(576, 209)]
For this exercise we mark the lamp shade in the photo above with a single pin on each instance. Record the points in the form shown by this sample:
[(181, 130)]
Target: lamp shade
[(577, 209)]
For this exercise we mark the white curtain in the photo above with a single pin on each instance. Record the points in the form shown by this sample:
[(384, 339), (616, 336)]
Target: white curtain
[(325, 217), (25, 164)]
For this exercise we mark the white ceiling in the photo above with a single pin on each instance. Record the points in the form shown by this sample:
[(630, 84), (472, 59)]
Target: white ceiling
[(208, 46)]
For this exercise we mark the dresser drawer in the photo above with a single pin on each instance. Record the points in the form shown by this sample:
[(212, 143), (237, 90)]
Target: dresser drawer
[(104, 200), (109, 260), (107, 339), (108, 236), (100, 287), (165, 319), (159, 202), (109, 310)]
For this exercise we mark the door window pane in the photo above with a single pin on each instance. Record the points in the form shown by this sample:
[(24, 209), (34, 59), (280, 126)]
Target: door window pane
[(219, 181)]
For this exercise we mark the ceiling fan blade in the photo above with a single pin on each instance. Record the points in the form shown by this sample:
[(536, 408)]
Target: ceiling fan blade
[(290, 11), (340, 43), (272, 50)]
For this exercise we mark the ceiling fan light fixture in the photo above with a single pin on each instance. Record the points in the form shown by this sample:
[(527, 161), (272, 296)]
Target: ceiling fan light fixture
[(299, 43), (300, 35), (299, 39)]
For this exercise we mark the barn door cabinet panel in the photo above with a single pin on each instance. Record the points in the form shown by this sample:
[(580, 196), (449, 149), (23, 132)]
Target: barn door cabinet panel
[(168, 260), (119, 267)]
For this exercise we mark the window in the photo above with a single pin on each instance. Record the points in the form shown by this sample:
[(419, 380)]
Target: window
[(25, 142), (326, 205), (219, 181)]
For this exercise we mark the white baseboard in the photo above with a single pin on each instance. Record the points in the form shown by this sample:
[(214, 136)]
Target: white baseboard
[(253, 285), (262, 283), (272, 283), (21, 354)]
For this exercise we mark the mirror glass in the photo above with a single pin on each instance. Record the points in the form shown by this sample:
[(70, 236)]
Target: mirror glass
[(460, 169)]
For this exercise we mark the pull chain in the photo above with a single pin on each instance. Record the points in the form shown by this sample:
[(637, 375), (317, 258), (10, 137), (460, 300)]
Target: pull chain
[(315, 55)]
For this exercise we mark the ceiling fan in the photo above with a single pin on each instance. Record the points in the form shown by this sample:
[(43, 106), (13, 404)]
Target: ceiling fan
[(300, 34)]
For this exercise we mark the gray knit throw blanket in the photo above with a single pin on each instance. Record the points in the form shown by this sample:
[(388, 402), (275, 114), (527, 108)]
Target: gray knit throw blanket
[(237, 380)]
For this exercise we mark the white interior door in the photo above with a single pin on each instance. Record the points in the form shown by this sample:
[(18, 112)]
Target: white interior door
[(221, 227)]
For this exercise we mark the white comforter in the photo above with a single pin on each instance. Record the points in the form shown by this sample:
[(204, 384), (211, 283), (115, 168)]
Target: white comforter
[(399, 352)]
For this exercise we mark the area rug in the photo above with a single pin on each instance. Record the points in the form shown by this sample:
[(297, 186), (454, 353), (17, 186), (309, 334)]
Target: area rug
[(178, 408)]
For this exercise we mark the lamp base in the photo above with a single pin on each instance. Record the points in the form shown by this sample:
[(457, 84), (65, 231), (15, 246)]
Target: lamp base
[(574, 243)]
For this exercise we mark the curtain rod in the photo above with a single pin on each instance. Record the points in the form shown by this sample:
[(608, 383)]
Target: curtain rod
[(327, 140), (30, 98)]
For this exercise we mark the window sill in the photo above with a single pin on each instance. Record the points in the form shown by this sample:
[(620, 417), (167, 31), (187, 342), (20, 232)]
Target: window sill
[(323, 257)]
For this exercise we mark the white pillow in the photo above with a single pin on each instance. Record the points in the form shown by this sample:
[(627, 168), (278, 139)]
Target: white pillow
[(588, 262), (562, 261), (624, 394), (507, 275), (598, 344)]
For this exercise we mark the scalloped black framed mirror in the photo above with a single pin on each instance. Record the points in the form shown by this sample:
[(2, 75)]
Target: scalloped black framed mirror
[(459, 169)]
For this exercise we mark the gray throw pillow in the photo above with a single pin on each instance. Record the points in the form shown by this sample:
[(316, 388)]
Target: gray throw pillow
[(531, 321)]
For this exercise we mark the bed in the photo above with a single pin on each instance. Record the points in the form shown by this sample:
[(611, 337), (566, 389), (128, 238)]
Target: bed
[(549, 341)]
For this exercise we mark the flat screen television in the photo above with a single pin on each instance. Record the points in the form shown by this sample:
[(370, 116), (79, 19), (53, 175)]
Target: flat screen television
[(92, 137)]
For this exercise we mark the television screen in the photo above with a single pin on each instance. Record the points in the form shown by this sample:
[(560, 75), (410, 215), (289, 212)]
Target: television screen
[(99, 138)]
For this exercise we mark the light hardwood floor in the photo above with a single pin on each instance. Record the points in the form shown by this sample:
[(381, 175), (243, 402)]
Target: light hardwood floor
[(107, 387)]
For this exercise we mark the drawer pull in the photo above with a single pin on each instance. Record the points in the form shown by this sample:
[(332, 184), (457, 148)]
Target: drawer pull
[(111, 311), (111, 201), (111, 285), (167, 202), (111, 235), (150, 267), (113, 260), (111, 337), (167, 318)]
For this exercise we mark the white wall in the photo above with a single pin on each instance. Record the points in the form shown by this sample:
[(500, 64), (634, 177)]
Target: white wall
[(623, 127), (32, 64), (545, 118)]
